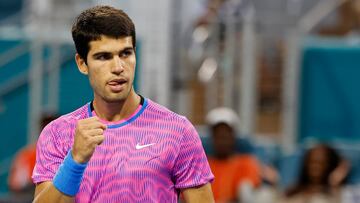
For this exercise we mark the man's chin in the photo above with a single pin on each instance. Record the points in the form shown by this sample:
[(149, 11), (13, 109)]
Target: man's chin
[(115, 100), (111, 97)]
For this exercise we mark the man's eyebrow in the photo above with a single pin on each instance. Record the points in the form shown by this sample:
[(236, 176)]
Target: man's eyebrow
[(127, 49), (108, 52)]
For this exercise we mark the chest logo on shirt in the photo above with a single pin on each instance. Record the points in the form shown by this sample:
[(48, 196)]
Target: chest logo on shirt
[(138, 146)]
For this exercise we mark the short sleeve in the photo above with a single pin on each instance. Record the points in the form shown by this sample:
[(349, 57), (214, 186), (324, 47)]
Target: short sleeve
[(50, 153), (191, 167)]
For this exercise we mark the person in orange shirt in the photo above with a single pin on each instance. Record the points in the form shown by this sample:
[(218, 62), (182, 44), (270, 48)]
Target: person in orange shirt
[(19, 180), (233, 172), (21, 170)]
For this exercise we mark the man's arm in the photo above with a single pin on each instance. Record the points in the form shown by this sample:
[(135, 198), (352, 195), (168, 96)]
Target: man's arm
[(88, 135), (46, 192), (198, 194)]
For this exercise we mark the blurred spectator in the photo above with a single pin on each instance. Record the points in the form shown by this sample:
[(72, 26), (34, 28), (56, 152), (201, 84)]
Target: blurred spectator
[(322, 175), (235, 174), (19, 180)]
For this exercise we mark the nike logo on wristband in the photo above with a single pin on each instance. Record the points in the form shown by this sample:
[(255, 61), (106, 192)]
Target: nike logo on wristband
[(138, 146)]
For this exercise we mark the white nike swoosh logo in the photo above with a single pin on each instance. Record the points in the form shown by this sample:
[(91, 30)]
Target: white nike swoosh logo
[(138, 146)]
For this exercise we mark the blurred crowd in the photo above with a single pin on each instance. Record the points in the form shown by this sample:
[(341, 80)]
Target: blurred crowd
[(240, 176)]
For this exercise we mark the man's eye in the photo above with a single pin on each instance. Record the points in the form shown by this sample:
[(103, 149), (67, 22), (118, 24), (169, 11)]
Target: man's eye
[(103, 57), (126, 53)]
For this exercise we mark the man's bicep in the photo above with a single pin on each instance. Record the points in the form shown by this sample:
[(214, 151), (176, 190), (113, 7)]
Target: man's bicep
[(198, 194)]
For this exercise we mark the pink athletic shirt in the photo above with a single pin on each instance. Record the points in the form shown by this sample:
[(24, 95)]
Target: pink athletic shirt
[(148, 157)]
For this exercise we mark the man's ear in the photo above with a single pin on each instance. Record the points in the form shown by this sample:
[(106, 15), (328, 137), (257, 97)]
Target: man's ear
[(80, 62)]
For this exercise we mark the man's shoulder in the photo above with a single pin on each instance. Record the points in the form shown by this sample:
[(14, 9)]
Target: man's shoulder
[(161, 111), (72, 117)]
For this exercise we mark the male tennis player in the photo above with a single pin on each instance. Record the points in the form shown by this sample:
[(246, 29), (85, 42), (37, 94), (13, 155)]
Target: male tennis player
[(120, 147)]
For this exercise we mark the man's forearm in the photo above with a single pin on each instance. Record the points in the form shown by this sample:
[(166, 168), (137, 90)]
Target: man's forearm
[(46, 192)]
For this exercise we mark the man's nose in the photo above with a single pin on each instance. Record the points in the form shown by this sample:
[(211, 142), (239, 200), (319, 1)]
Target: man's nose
[(117, 66)]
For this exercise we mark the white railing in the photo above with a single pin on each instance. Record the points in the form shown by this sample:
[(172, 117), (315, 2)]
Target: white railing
[(13, 53), (291, 75)]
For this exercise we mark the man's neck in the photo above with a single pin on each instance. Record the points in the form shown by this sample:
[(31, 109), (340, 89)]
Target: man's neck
[(115, 111)]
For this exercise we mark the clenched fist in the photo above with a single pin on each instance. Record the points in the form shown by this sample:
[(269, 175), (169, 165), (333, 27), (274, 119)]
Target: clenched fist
[(89, 133)]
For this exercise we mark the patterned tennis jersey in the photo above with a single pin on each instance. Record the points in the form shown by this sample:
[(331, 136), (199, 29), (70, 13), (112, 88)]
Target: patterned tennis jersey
[(148, 157)]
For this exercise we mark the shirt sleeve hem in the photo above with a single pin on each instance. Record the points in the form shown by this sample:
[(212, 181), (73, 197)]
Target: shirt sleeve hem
[(40, 180), (197, 184)]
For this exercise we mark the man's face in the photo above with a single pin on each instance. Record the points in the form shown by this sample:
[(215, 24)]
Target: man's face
[(317, 164), (223, 140), (110, 68)]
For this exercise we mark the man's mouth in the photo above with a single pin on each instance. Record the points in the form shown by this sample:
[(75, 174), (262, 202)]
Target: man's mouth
[(117, 85)]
